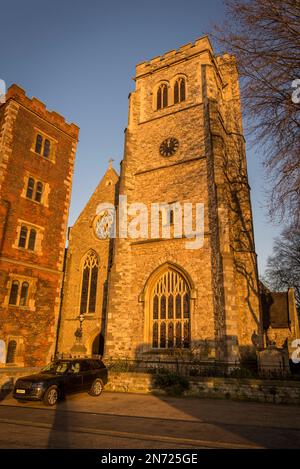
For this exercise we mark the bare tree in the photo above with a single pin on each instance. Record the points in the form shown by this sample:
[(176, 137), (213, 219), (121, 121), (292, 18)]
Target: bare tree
[(264, 35), (283, 267)]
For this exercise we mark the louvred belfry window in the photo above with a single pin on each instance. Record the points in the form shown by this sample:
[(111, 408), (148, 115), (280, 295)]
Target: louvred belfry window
[(170, 311), (162, 96), (179, 91), (89, 283)]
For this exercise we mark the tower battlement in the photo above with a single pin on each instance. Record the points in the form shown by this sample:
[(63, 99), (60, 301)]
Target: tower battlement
[(17, 93), (185, 51)]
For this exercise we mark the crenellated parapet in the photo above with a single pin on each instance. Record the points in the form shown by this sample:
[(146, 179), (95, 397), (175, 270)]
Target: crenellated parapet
[(16, 93)]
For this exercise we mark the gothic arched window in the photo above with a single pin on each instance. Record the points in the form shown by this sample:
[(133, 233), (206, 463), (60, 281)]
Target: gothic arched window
[(89, 283), (179, 90), (170, 311), (162, 96)]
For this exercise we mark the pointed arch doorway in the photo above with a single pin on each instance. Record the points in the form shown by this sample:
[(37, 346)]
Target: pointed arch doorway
[(98, 345)]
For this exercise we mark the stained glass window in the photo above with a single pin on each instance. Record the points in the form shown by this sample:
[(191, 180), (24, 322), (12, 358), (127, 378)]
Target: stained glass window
[(170, 297), (170, 306), (155, 307), (93, 289), (89, 283), (163, 307), (178, 306), (163, 335), (178, 335), (155, 335)]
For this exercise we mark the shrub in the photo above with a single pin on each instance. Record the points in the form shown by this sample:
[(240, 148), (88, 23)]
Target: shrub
[(173, 383)]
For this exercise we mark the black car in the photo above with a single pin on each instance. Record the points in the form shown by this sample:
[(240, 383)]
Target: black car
[(62, 377)]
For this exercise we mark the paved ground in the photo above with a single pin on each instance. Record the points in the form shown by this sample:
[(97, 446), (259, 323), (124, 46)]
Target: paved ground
[(117, 420)]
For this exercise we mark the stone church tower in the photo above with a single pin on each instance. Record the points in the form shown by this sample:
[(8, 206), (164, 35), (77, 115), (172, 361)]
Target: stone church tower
[(184, 144)]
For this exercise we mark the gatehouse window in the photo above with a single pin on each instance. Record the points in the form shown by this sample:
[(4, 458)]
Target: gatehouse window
[(170, 311), (19, 293), (34, 190), (13, 297), (44, 145), (27, 238), (89, 283), (38, 144), (11, 351)]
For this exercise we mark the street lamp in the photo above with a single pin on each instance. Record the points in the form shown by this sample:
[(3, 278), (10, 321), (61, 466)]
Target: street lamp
[(78, 347)]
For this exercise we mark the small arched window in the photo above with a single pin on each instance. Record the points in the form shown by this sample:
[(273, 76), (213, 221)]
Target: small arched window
[(11, 351), (39, 191), (47, 147), (162, 96), (179, 90), (38, 144), (32, 238), (24, 294), (23, 237), (13, 297), (89, 283), (30, 188)]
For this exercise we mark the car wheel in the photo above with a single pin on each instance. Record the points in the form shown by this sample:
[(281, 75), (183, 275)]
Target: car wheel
[(96, 388), (51, 396)]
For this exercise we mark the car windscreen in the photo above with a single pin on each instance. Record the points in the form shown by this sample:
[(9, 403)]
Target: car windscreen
[(56, 367)]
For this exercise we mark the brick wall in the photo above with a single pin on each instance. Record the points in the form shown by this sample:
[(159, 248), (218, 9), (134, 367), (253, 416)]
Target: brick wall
[(33, 325)]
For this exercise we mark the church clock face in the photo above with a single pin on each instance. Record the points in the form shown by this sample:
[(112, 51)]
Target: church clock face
[(104, 224), (169, 146)]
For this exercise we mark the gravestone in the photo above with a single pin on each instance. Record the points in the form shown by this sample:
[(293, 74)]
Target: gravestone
[(273, 362)]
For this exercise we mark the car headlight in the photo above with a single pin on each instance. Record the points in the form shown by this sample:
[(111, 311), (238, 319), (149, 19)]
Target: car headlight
[(37, 385)]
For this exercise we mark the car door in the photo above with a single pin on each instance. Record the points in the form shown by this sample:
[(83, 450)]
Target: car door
[(73, 378), (88, 374)]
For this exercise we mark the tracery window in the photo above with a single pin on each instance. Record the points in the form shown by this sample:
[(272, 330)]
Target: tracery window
[(179, 91), (89, 283), (170, 311), (162, 96)]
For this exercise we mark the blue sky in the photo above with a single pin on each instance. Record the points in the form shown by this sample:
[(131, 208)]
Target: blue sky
[(79, 56)]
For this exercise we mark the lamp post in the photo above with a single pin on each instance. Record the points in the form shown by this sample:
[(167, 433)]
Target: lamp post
[(78, 347)]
